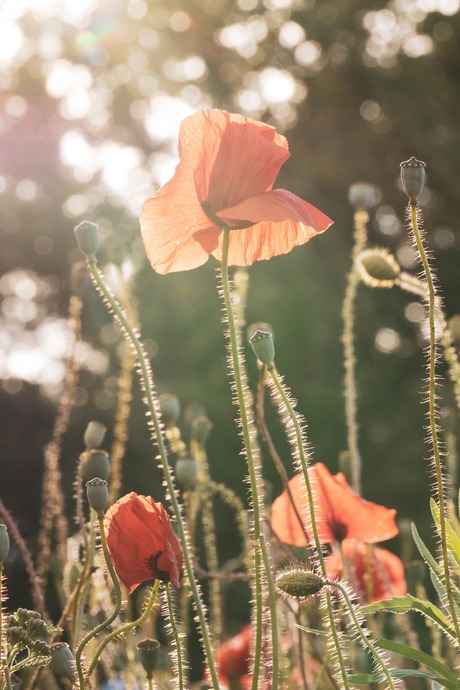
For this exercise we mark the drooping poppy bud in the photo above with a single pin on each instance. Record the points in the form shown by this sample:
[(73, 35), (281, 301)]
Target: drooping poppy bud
[(62, 660), (413, 177), (299, 582), (141, 541), (87, 236)]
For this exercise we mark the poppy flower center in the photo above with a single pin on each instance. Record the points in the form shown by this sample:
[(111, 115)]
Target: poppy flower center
[(236, 224), (152, 565)]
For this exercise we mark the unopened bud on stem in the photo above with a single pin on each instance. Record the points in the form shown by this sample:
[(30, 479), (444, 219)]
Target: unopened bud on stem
[(87, 236)]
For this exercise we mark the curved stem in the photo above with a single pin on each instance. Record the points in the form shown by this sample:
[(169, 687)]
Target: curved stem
[(114, 613), (126, 627), (365, 640), (244, 419), (432, 412), (172, 621), (152, 405), (304, 465)]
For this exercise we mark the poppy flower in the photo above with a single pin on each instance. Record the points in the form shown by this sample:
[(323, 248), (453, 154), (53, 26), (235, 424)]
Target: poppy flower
[(228, 164), (340, 512), (233, 654), (141, 541), (386, 570)]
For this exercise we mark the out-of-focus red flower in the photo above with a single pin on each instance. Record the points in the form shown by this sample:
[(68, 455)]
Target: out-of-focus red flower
[(340, 513), (385, 569), (141, 541), (233, 655), (228, 164)]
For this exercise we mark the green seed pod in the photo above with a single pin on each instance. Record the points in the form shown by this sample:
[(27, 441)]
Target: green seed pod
[(62, 661), (299, 583), (94, 434), (362, 196), (186, 471), (201, 428), (87, 236), (264, 349), (97, 492), (97, 464), (413, 177), (377, 268), (4, 544), (147, 652), (259, 326), (170, 409)]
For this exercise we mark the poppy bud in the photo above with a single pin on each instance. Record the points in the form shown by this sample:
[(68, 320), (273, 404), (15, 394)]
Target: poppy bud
[(299, 583), (362, 196), (94, 435), (264, 350), (413, 177), (97, 464), (62, 661), (201, 428), (87, 236), (98, 494), (148, 651), (169, 409), (4, 544), (186, 472), (454, 326), (377, 268)]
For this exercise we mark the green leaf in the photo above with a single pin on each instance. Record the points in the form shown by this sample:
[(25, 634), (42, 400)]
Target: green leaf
[(452, 538), (410, 603), (364, 678), (418, 656)]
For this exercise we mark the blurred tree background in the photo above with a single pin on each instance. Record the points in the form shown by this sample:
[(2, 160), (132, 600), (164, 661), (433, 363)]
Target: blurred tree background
[(92, 96)]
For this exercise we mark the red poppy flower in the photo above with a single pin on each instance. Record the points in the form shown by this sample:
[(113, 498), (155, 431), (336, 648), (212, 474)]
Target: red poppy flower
[(340, 513), (228, 164), (233, 655), (386, 570), (141, 541)]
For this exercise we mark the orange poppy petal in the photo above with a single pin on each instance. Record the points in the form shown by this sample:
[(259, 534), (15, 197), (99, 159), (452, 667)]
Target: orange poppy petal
[(234, 157), (283, 518), (177, 234), (277, 205)]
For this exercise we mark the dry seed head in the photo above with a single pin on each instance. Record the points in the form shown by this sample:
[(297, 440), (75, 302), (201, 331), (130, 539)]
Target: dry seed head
[(413, 177), (98, 494), (147, 651), (264, 349), (87, 236), (377, 268)]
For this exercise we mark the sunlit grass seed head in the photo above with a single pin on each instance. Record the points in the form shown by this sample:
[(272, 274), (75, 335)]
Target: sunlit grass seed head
[(97, 492), (299, 583), (363, 196), (96, 464), (263, 346), (87, 236), (377, 268), (94, 434), (4, 544), (413, 177)]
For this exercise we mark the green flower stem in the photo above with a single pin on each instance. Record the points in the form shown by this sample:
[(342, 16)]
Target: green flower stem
[(150, 682), (244, 419), (432, 411), (348, 315), (3, 662), (274, 617), (126, 627), (145, 376), (367, 642), (172, 622), (114, 613), (311, 506)]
